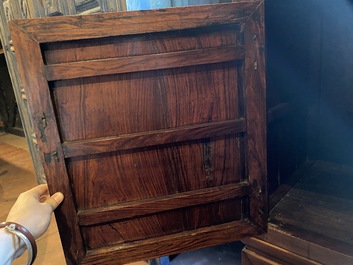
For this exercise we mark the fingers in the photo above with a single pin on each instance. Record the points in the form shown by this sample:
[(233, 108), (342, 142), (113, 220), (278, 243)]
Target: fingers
[(39, 190), (55, 200)]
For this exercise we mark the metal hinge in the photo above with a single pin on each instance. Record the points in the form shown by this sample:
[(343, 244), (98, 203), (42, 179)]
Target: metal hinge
[(10, 47), (42, 124), (23, 94), (34, 138), (49, 156)]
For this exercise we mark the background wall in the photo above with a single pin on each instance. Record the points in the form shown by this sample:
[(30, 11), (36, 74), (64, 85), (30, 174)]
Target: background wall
[(9, 117)]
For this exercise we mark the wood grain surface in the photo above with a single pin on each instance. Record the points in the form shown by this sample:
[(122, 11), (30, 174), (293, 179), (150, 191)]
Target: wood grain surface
[(255, 101), (311, 224), (152, 123), (135, 22)]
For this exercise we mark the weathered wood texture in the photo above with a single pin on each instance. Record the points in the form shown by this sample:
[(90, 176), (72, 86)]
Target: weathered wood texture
[(309, 78), (18, 113), (162, 159), (12, 69), (312, 223), (262, 253), (255, 99)]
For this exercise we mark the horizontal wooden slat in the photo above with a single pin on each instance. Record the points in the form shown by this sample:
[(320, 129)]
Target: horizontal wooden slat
[(275, 254), (133, 22), (143, 62), (144, 139), (171, 244), (154, 205)]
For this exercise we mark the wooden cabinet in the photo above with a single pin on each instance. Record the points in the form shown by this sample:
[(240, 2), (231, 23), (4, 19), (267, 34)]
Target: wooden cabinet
[(309, 73), (311, 224), (152, 123), (17, 113)]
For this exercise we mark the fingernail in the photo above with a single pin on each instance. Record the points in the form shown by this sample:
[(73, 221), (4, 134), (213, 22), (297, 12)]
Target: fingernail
[(58, 197)]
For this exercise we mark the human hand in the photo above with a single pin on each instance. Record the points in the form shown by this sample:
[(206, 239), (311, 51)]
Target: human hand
[(33, 209)]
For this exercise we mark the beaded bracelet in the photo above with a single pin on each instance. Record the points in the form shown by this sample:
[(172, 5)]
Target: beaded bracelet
[(25, 235)]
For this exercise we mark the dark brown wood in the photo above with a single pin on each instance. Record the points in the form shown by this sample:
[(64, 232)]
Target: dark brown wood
[(283, 248), (149, 206), (200, 90), (260, 252), (22, 112), (28, 9), (43, 118), (311, 224), (143, 63), (157, 138), (330, 214), (136, 22), (145, 139), (255, 94), (225, 232), (249, 257), (286, 186)]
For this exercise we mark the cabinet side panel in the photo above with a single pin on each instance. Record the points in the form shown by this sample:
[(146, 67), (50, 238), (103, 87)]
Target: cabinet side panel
[(255, 90)]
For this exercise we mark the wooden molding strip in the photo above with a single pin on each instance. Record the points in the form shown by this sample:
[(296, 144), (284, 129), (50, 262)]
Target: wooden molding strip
[(165, 203), (171, 244), (145, 139), (286, 186), (134, 22), (276, 254), (143, 62)]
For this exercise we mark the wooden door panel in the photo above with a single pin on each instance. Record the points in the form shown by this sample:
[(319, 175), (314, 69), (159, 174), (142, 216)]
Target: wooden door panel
[(210, 94), (135, 175), (140, 44), (161, 224), (152, 124)]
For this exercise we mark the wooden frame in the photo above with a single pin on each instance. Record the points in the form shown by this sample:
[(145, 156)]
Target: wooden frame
[(79, 223)]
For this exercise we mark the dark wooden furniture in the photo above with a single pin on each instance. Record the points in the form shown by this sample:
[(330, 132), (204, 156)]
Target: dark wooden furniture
[(310, 147), (153, 125), (17, 117), (312, 223)]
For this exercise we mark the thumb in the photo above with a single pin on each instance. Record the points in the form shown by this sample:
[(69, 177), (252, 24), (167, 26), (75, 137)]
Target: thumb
[(55, 200)]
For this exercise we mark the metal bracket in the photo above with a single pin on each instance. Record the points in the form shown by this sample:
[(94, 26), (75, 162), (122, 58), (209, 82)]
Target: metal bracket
[(23, 94), (42, 124), (34, 138), (10, 47)]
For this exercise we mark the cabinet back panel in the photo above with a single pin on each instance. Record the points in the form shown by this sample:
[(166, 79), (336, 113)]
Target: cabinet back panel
[(152, 124), (153, 172), (162, 224), (140, 44), (129, 103)]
